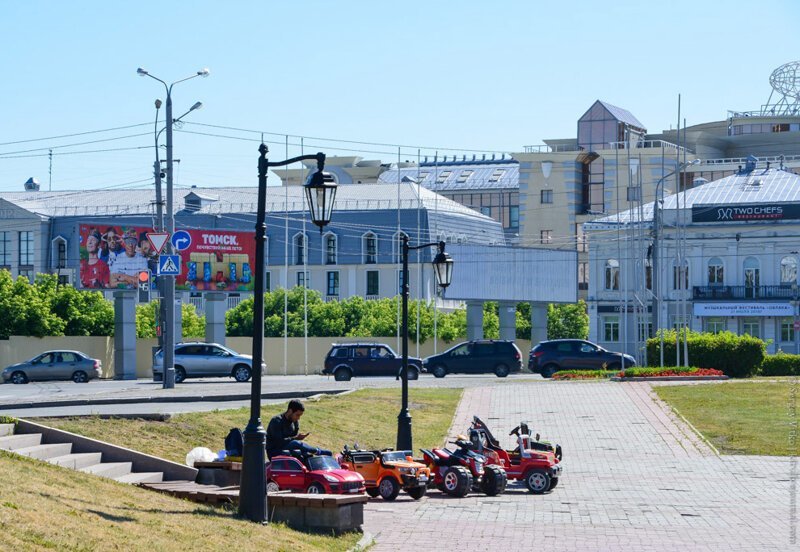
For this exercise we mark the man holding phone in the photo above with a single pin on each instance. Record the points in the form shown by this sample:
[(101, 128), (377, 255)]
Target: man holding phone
[(283, 432)]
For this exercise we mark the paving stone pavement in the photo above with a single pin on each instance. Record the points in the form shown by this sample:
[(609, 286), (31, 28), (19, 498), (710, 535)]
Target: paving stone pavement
[(636, 478)]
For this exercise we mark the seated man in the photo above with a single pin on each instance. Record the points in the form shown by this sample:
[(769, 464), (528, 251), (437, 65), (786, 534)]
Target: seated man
[(283, 433)]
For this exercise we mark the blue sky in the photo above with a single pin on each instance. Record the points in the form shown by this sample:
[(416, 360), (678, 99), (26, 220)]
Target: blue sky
[(463, 75)]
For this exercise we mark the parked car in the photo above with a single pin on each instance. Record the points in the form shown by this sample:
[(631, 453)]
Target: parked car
[(312, 474), (485, 356), (348, 360), (201, 360), (54, 365), (548, 357)]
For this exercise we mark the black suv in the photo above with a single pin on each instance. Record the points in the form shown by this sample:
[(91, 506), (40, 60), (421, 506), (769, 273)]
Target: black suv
[(346, 360), (476, 357), (549, 357)]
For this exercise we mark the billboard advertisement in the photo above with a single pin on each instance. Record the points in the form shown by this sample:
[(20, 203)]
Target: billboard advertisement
[(112, 256)]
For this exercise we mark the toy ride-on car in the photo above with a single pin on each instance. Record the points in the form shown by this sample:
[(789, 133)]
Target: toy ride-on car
[(538, 467), (386, 472), (457, 472), (311, 474)]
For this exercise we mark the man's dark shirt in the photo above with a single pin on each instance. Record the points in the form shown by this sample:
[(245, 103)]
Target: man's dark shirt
[(279, 432)]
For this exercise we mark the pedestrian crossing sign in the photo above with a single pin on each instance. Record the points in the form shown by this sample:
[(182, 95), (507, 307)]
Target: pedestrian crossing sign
[(169, 265)]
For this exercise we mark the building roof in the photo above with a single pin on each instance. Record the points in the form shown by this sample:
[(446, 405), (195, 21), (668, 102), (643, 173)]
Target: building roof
[(757, 186), (622, 115), (455, 176)]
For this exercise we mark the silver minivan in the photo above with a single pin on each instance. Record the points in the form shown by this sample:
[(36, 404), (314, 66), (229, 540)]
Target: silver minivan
[(54, 365), (201, 360)]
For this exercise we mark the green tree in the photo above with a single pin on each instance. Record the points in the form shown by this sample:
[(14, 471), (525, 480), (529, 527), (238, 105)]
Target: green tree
[(26, 309), (146, 319), (84, 312), (192, 324), (567, 321)]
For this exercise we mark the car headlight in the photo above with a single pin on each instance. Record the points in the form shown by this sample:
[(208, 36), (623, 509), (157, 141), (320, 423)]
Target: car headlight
[(330, 478), (409, 471)]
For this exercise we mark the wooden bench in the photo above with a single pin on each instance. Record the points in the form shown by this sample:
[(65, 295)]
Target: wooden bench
[(338, 513), (224, 474)]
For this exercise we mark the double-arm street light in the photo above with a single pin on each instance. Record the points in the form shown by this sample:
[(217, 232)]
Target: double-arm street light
[(443, 270), (168, 285), (320, 192)]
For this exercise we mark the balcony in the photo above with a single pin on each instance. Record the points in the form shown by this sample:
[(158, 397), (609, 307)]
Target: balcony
[(736, 293)]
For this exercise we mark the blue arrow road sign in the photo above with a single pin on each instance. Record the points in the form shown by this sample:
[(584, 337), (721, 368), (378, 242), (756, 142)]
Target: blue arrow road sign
[(169, 265), (181, 240)]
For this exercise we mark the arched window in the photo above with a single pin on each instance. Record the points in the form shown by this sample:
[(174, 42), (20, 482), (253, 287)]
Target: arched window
[(369, 248), (612, 274), (330, 248), (716, 272), (680, 275), (752, 277), (59, 252), (299, 249), (648, 274), (788, 270), (397, 247)]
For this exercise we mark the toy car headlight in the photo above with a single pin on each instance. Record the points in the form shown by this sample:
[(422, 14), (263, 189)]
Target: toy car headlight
[(331, 479), (410, 471)]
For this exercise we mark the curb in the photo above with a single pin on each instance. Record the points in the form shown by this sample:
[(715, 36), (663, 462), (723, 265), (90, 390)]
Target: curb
[(363, 543), (674, 378), (177, 399)]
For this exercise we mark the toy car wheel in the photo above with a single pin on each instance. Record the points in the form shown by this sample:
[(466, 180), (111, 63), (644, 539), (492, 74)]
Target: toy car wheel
[(457, 481), (501, 370), (389, 488), (241, 373), (373, 492), (19, 378), (494, 480), (439, 371), (553, 482), (558, 452), (315, 488), (537, 481), (180, 374), (272, 487), (548, 370), (417, 492), (342, 374), (80, 377)]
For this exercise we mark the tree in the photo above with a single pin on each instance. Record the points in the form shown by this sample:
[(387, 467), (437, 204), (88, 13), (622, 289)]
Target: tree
[(192, 324), (26, 309), (568, 321), (85, 312)]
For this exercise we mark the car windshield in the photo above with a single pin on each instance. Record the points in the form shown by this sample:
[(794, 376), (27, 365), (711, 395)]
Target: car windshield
[(323, 463), (396, 456)]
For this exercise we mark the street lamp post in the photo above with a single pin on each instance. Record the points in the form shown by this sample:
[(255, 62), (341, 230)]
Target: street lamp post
[(320, 193), (168, 285), (443, 270)]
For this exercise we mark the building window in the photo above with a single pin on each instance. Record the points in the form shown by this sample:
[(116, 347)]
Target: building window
[(303, 279), (546, 236), (26, 248), (645, 331), (787, 330), (547, 196), (634, 193), (583, 275), (268, 281), (330, 249), (752, 277), (370, 248), (60, 252), (486, 211), (716, 272), (333, 283), (397, 248), (612, 275), (400, 282), (27, 273), (581, 239), (714, 324), (5, 248), (751, 326), (513, 216), (648, 274), (300, 249), (611, 328), (373, 282), (788, 270), (680, 276)]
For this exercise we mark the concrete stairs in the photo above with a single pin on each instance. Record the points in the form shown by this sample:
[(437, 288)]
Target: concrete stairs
[(60, 454)]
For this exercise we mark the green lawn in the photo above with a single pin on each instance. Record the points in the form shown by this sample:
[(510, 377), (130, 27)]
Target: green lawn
[(738, 417)]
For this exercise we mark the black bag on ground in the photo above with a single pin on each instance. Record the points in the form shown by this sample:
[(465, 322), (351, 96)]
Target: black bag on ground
[(234, 442)]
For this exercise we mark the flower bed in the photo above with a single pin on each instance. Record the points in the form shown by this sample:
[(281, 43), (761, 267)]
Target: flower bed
[(583, 374), (672, 371)]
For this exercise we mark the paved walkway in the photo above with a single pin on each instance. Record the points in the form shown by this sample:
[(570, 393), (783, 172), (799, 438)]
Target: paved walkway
[(635, 478)]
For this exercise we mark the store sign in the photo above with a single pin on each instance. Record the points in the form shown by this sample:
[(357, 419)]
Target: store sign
[(743, 213), (743, 309), (620, 308)]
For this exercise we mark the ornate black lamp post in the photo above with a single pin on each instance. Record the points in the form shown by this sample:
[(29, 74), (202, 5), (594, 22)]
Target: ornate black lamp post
[(443, 269), (320, 192)]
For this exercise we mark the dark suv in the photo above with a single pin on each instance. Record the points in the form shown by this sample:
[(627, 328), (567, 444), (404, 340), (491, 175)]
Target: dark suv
[(549, 357), (476, 357), (347, 360)]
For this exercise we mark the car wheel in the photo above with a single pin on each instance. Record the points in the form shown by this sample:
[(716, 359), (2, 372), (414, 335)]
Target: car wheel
[(501, 370), (548, 370), (389, 488), (417, 492), (80, 377), (19, 377), (373, 492), (241, 373), (272, 487), (342, 374), (537, 481), (457, 481), (494, 480), (180, 374), (439, 371), (315, 488), (413, 374)]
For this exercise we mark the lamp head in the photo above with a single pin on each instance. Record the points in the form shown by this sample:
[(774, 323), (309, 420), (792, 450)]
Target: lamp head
[(141, 72), (321, 194), (443, 267), (197, 105), (204, 72), (158, 103)]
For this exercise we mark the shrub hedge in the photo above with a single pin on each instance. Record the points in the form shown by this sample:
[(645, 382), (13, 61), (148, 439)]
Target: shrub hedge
[(738, 356), (781, 364)]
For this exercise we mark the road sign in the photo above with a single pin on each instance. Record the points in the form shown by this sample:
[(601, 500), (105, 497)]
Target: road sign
[(181, 240), (169, 265), (157, 240)]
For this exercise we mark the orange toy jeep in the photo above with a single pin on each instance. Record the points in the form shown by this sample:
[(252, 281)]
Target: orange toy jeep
[(386, 472)]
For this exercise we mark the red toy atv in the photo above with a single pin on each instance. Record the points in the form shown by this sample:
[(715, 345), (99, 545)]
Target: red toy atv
[(459, 471), (539, 469)]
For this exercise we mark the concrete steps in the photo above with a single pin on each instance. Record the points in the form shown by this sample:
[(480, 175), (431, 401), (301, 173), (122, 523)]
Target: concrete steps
[(141, 477), (6, 429), (109, 469), (77, 461), (44, 452), (14, 442)]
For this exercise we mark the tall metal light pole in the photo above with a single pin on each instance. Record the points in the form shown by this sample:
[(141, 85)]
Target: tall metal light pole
[(168, 285), (320, 193), (443, 269), (656, 251)]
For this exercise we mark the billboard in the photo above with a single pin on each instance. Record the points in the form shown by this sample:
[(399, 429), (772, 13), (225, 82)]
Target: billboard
[(112, 256)]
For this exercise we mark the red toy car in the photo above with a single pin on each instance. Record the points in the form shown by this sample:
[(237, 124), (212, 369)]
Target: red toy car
[(312, 474), (457, 472), (539, 469)]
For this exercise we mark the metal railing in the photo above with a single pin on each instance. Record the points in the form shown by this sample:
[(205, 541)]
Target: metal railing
[(742, 292), (545, 148), (647, 144), (762, 161), (784, 110)]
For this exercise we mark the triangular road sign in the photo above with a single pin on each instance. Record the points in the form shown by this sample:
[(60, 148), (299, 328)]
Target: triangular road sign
[(157, 240)]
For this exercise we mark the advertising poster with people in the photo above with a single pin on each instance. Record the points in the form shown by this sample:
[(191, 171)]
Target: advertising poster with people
[(112, 257)]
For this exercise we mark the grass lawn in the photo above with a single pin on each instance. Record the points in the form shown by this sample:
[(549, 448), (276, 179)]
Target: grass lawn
[(737, 417), (47, 507), (368, 416)]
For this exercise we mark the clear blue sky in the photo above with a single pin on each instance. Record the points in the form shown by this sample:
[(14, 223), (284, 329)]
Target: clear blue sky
[(464, 75)]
